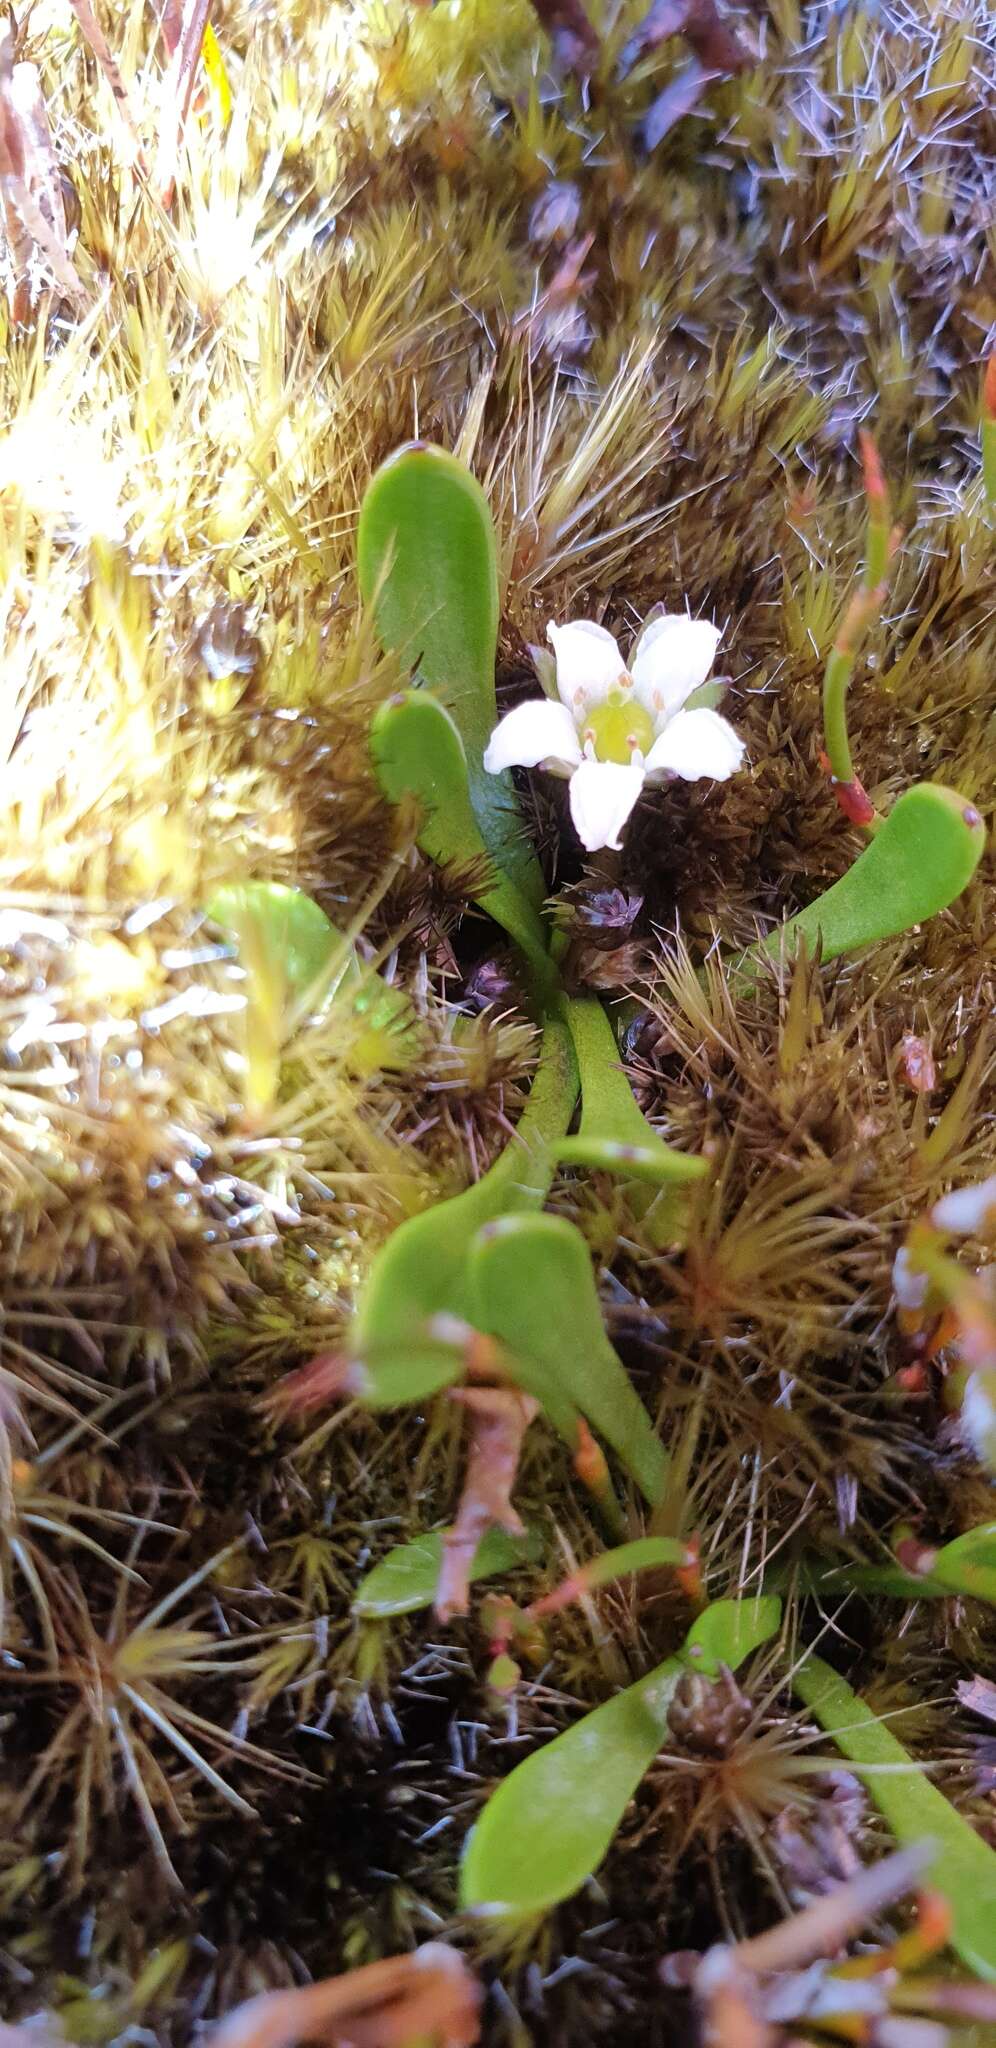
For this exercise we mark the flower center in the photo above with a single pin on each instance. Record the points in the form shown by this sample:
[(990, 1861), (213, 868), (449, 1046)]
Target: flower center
[(618, 727)]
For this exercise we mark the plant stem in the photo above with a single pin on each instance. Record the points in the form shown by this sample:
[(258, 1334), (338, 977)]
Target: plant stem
[(614, 1133), (881, 545), (989, 432)]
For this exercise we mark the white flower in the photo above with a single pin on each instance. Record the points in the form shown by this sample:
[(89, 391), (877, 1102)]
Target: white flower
[(908, 1284), (966, 1211), (614, 729)]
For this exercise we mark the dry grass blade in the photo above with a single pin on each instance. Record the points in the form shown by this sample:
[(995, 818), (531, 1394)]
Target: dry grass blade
[(701, 24), (575, 42), (824, 1927), (429, 1996), (178, 88), (678, 98), (98, 42), (30, 189)]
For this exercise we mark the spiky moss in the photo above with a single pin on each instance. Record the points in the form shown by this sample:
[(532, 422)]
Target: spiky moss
[(349, 264)]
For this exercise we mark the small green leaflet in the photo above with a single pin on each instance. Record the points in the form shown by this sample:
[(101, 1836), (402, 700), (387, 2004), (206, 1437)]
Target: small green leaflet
[(920, 859), (296, 963), (427, 562), (533, 1288), (964, 1867), (549, 1825), (405, 1580), (419, 758), (614, 1134), (421, 1271), (966, 1566)]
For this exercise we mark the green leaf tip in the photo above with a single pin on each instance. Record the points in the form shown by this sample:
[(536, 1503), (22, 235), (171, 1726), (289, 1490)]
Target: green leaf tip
[(963, 1868), (421, 1271), (534, 1289), (405, 1581), (919, 861), (279, 930), (549, 1825), (966, 1566), (727, 1631), (614, 1134), (419, 757), (296, 962), (427, 563)]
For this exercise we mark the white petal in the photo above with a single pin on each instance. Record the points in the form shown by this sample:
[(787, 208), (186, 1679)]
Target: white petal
[(978, 1414), (588, 663), (533, 732), (603, 794), (671, 658), (697, 744), (909, 1286), (966, 1210)]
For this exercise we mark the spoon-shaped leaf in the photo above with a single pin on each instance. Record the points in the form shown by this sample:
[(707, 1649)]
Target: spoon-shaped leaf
[(966, 1566), (921, 858), (419, 757), (644, 1554), (294, 962), (551, 1822), (405, 1580), (614, 1134), (533, 1288), (427, 562), (964, 1867), (282, 931), (421, 1271), (888, 1579)]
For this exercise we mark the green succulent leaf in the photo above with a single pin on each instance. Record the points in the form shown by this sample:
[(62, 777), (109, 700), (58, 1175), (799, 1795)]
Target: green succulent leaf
[(427, 562), (966, 1566), (644, 1554), (403, 1372), (532, 1287), (728, 1631), (614, 1134), (964, 1866), (920, 859), (888, 1579), (391, 1038), (405, 1581), (421, 1271), (283, 934), (419, 758), (551, 1822), (296, 963)]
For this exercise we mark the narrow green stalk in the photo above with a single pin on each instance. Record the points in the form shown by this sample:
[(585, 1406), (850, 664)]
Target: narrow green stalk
[(878, 543), (614, 1133), (963, 1867), (840, 664), (989, 432), (421, 1271), (867, 602)]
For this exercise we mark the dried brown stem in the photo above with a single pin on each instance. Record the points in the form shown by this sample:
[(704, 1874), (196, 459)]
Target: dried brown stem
[(428, 1996), (499, 1421)]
